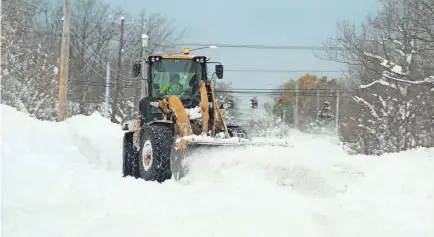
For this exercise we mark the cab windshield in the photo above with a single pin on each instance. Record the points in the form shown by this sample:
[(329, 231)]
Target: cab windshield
[(173, 76)]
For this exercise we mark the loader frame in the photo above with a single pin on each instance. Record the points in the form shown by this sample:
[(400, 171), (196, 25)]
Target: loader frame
[(163, 130)]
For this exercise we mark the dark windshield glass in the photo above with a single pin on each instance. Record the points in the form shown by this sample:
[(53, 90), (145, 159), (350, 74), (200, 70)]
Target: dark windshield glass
[(172, 77)]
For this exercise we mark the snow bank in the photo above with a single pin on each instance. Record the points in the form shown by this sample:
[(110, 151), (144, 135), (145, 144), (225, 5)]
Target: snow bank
[(64, 179)]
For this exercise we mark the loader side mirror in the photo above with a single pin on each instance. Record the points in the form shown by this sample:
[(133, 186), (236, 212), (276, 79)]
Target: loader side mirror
[(219, 71), (137, 68)]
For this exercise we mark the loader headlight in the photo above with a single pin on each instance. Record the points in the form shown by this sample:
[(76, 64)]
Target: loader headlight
[(200, 59), (154, 58)]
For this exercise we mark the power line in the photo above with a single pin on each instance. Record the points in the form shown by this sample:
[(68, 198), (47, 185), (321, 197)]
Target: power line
[(280, 71), (301, 92), (260, 46), (84, 60), (250, 46), (226, 45), (274, 92), (95, 55), (278, 89), (228, 70), (233, 91)]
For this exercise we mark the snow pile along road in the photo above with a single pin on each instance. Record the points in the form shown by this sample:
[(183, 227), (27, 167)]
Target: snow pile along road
[(64, 179)]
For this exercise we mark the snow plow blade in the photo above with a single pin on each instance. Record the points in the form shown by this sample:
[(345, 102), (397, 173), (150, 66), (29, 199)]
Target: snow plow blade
[(233, 141)]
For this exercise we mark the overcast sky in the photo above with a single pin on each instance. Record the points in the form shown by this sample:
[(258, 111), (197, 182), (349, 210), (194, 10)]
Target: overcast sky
[(277, 22)]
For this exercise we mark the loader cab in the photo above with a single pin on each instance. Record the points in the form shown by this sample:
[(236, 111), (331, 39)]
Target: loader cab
[(175, 75), (178, 75)]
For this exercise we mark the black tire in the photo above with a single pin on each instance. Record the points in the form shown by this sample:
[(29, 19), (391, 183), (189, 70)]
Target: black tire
[(130, 157), (159, 137), (237, 131)]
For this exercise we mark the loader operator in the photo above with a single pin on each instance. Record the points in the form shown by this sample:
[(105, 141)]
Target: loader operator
[(173, 87)]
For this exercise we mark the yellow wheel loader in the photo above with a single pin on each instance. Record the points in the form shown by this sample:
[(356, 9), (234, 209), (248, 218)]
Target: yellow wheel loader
[(179, 111)]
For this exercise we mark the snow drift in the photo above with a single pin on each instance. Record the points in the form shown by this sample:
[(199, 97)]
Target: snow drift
[(64, 179)]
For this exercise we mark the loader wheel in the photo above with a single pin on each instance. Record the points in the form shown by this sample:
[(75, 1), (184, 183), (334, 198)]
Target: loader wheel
[(154, 156), (130, 157)]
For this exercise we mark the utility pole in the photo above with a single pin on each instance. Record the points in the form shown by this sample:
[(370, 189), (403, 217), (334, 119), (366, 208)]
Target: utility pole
[(107, 90), (64, 60), (296, 106), (115, 96), (317, 101), (283, 121)]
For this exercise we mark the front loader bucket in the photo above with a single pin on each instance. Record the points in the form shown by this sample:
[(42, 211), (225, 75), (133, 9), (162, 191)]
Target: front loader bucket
[(233, 141)]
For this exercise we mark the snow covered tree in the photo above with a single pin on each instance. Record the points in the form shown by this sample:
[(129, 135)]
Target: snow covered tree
[(31, 39), (391, 74), (29, 61)]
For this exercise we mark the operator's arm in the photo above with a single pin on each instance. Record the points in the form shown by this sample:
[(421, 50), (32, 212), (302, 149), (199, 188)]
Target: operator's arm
[(164, 89)]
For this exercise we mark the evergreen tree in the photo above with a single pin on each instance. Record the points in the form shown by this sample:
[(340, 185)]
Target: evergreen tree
[(325, 116), (322, 121)]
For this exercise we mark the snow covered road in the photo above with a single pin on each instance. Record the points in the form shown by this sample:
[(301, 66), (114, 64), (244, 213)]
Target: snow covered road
[(64, 179)]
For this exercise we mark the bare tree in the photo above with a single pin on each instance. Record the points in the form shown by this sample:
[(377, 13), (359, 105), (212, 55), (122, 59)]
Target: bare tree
[(92, 46)]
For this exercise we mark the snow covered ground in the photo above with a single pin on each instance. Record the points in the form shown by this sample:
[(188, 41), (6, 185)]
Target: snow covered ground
[(64, 179)]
